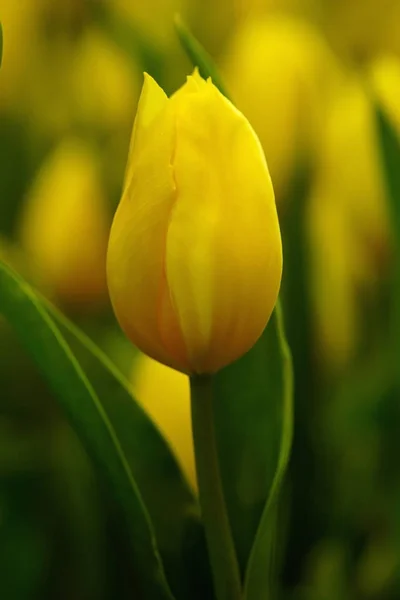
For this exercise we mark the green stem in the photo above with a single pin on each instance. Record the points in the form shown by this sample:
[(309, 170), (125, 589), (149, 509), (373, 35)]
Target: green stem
[(221, 549)]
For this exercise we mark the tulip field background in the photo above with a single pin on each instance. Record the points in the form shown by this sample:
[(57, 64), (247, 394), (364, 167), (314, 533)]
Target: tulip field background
[(319, 80)]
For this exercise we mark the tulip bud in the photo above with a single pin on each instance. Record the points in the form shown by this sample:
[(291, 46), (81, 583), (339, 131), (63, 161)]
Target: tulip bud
[(165, 395), (64, 225), (194, 259), (333, 261), (349, 205), (350, 132), (20, 23), (96, 61), (384, 74)]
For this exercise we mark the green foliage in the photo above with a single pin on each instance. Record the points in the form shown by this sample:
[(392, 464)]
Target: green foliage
[(198, 55), (253, 414), (390, 155), (119, 437)]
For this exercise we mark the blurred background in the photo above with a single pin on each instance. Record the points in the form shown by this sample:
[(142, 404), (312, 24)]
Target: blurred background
[(307, 74)]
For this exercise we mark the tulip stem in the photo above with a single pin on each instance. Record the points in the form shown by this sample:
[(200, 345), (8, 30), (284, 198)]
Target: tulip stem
[(220, 544)]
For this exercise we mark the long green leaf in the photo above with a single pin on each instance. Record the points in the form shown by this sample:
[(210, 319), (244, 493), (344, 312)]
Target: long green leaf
[(172, 507), (198, 55), (256, 579), (390, 155), (253, 413), (44, 342), (253, 420), (304, 512)]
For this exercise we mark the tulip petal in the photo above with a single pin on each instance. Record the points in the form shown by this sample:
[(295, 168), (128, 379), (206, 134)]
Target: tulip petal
[(193, 84), (223, 258), (152, 100), (136, 253)]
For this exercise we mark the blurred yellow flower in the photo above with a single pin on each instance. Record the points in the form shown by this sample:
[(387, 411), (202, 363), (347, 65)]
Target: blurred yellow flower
[(64, 225), (165, 395), (292, 7), (20, 37), (358, 29), (384, 73), (195, 257), (348, 216), (104, 84), (350, 160), (280, 72), (391, 31), (154, 18), (332, 283)]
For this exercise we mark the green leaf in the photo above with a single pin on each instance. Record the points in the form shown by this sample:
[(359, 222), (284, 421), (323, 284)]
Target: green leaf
[(172, 507), (253, 420), (24, 548), (304, 511), (253, 416), (75, 493), (198, 55), (390, 155), (43, 340)]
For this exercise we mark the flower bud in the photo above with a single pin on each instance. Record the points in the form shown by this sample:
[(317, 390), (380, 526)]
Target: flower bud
[(20, 23), (194, 259), (64, 225), (334, 261), (384, 74), (350, 132), (349, 224), (97, 60)]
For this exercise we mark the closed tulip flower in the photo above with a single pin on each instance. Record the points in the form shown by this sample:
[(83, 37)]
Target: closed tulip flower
[(194, 259), (64, 226), (384, 74), (109, 107), (349, 205)]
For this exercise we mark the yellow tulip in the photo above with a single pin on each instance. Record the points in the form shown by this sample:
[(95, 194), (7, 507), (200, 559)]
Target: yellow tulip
[(358, 29), (165, 395), (333, 252), (194, 257), (384, 73), (348, 216), (280, 71), (154, 17), (64, 225), (351, 162), (350, 132), (104, 86), (20, 22)]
